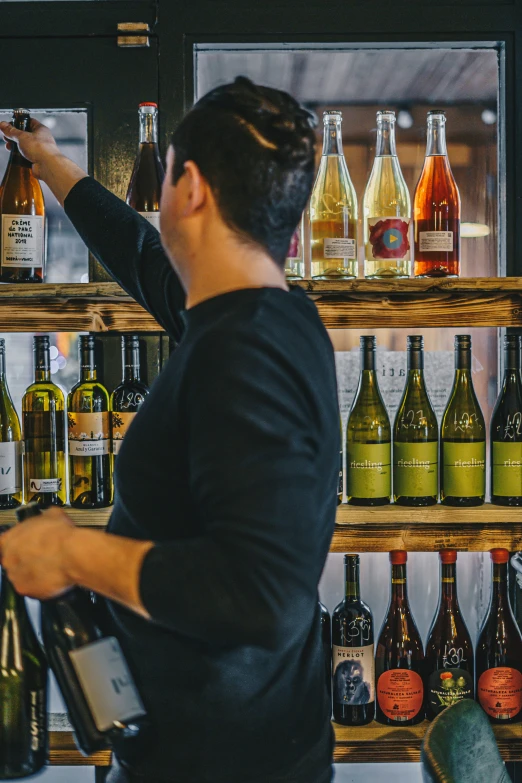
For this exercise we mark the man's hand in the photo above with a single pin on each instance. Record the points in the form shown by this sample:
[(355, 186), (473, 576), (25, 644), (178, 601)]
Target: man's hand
[(34, 554)]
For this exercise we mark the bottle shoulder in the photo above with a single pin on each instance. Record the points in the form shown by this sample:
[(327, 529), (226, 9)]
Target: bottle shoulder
[(44, 388)]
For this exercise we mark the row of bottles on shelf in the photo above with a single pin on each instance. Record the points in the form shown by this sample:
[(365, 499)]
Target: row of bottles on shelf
[(399, 682), (22, 207), (387, 211), (421, 466), (96, 427)]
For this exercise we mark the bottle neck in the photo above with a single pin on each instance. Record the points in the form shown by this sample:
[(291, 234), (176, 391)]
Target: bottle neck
[(463, 359), (87, 364), (436, 144), (415, 360), (351, 579), (448, 578), (42, 364), (511, 359), (148, 127), (399, 591), (2, 365), (332, 140), (499, 595), (385, 144), (131, 362), (16, 158)]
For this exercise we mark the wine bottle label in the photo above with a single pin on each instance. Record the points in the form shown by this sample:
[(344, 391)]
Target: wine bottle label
[(388, 237), (353, 675), (464, 469), (507, 469), (339, 248), (436, 241), (22, 240), (38, 720), (153, 218), (400, 694), (10, 467), (500, 692), (415, 469), (368, 470), (45, 485), (88, 434), (120, 423), (107, 683), (447, 686)]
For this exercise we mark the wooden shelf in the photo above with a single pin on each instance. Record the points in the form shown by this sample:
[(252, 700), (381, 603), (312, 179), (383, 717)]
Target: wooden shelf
[(64, 753), (88, 518)]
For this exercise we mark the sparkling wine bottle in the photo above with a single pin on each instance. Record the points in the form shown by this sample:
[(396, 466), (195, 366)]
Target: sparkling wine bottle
[(506, 431), (129, 396), (333, 210), (436, 208), (415, 437), (326, 634), (449, 652), (399, 658), (353, 653), (368, 438), (499, 651), (144, 192), (386, 209), (463, 437), (22, 212), (10, 444), (294, 264)]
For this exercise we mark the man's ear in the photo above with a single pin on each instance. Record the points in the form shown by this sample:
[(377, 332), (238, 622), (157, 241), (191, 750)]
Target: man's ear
[(195, 189)]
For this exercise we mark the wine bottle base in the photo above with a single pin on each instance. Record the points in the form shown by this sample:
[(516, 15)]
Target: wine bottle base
[(387, 276), (463, 502), (349, 721), (368, 501), (435, 274), (501, 500), (334, 277), (405, 500)]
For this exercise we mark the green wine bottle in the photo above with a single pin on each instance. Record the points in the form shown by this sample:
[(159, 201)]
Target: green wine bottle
[(415, 437), (506, 431), (10, 444), (368, 438), (463, 437)]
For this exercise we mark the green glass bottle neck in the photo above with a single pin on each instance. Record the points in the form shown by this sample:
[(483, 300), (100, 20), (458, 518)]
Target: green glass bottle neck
[(131, 363), (42, 365), (87, 364), (10, 600), (351, 580)]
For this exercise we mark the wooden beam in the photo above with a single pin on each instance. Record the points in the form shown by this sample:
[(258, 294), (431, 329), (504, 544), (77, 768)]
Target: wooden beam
[(64, 753)]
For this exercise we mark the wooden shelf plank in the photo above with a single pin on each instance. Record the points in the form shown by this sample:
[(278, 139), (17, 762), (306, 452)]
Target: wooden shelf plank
[(96, 517), (64, 753)]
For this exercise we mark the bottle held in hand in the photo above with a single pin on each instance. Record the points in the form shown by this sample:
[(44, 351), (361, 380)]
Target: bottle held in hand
[(144, 191)]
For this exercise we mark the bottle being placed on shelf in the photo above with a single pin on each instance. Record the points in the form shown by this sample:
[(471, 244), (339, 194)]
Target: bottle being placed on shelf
[(352, 653), (128, 397), (368, 438), (11, 446), (22, 212), (463, 437), (98, 689), (449, 652), (399, 658), (90, 464), (506, 431), (415, 437), (43, 421), (326, 634), (144, 192), (294, 264), (333, 210), (23, 690), (499, 651), (386, 209), (436, 208)]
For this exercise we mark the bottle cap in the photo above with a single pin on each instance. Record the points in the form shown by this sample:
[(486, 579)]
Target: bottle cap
[(398, 557), (415, 341), (448, 556), (148, 103), (368, 342), (512, 341), (41, 339), (436, 111), (499, 555), (87, 341), (335, 116), (386, 113), (352, 558), (462, 341)]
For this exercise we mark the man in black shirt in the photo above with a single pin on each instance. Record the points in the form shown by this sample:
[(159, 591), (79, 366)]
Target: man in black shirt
[(226, 483)]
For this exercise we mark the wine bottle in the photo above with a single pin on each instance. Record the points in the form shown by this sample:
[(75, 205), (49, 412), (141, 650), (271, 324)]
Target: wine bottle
[(326, 635), (415, 437), (333, 210), (144, 191), (436, 208), (506, 431), (10, 444), (368, 438), (340, 485), (90, 468), (353, 653), (463, 437), (386, 209), (22, 210), (128, 397), (399, 658), (294, 264), (23, 690), (43, 418), (499, 651), (449, 652)]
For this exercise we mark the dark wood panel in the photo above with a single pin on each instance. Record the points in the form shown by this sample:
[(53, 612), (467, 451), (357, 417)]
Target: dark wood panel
[(63, 752)]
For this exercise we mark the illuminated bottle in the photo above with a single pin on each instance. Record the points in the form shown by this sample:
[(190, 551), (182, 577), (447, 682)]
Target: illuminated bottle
[(144, 192), (506, 431)]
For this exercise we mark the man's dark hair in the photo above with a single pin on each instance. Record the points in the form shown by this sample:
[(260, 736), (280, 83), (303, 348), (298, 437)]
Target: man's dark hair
[(255, 147)]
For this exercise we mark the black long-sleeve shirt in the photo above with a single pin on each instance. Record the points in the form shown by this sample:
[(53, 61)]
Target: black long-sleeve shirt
[(231, 468)]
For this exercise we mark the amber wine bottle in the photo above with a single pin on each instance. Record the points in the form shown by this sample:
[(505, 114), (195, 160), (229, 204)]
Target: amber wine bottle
[(144, 192), (129, 396), (449, 652), (399, 658), (43, 417), (22, 212), (90, 465), (333, 210), (386, 209), (368, 438), (499, 651), (10, 444), (463, 437), (415, 437), (506, 431)]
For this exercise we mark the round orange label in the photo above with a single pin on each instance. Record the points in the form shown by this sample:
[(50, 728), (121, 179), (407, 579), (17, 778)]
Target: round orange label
[(400, 694), (500, 692)]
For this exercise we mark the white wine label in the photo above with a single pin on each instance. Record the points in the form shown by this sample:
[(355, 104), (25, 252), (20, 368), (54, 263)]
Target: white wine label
[(45, 485), (107, 682), (353, 675), (23, 240), (436, 241), (339, 248), (88, 434), (153, 218), (10, 467)]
